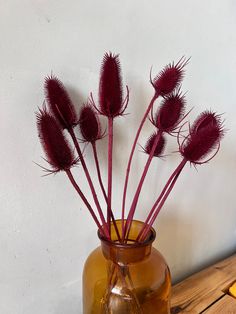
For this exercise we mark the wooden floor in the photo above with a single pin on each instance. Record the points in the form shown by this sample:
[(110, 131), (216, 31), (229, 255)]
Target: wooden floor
[(207, 291)]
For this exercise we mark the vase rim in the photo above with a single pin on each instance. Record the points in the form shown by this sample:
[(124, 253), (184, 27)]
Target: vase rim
[(148, 241)]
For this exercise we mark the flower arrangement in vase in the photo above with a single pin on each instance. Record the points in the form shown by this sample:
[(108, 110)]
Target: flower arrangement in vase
[(125, 274)]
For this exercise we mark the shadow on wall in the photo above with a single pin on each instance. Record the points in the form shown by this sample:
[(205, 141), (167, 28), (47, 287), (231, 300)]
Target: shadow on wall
[(177, 240), (176, 244)]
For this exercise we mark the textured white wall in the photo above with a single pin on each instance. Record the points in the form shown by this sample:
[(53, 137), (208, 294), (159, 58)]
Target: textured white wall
[(45, 232)]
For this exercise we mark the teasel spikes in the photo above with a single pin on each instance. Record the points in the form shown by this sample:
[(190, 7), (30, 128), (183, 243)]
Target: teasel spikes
[(205, 119), (56, 147), (60, 155), (166, 120), (89, 123), (204, 137), (111, 105), (59, 102), (61, 106), (111, 102), (90, 129), (154, 147), (169, 78), (164, 84), (170, 113), (160, 145)]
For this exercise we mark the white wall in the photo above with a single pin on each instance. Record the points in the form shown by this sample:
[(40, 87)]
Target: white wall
[(45, 232)]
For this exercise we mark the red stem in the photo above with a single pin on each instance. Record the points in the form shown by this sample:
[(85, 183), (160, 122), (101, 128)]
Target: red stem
[(136, 196), (98, 170), (84, 199), (131, 157), (109, 187), (169, 183), (160, 206), (102, 186), (71, 131)]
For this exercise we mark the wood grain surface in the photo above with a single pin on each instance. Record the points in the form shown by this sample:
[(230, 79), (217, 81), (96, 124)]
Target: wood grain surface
[(206, 291)]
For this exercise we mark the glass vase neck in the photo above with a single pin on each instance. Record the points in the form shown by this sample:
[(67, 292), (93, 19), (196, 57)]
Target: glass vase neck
[(131, 251)]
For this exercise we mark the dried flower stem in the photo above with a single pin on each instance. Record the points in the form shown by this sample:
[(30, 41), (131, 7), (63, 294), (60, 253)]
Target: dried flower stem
[(72, 134), (95, 155), (136, 196), (84, 199), (162, 197), (130, 160), (160, 206), (102, 186), (109, 187)]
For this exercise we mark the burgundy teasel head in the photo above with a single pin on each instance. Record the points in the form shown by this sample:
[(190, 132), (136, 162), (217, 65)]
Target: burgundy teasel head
[(205, 119), (160, 145), (89, 124), (57, 149), (59, 102), (204, 137), (111, 102), (169, 78), (170, 113)]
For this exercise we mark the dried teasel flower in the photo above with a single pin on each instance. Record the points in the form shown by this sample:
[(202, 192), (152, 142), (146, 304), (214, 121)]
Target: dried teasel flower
[(59, 102), (111, 102), (169, 78), (204, 137), (205, 119), (160, 146), (89, 123), (57, 149), (170, 113)]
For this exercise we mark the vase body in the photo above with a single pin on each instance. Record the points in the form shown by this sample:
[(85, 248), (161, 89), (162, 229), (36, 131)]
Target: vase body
[(129, 278)]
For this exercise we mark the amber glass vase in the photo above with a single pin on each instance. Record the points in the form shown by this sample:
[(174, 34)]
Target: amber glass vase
[(130, 278)]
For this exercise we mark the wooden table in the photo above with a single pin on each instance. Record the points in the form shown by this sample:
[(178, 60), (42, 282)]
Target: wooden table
[(207, 291)]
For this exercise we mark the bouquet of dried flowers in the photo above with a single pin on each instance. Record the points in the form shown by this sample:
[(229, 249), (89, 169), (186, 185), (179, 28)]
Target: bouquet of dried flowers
[(57, 119)]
